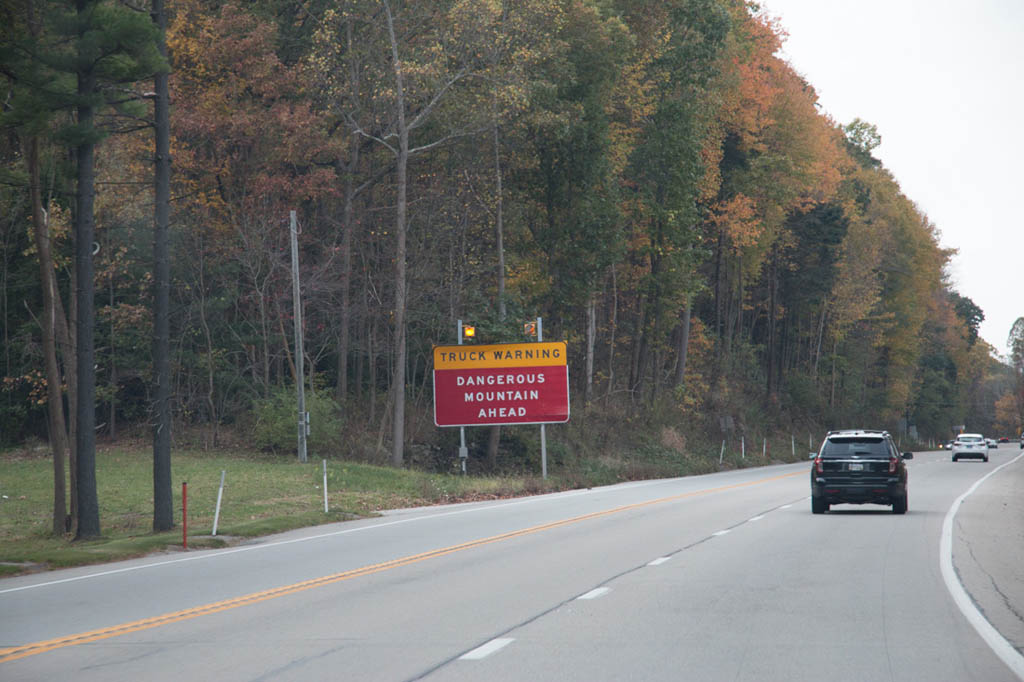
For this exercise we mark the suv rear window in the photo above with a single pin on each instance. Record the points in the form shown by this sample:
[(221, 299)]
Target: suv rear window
[(847, 447)]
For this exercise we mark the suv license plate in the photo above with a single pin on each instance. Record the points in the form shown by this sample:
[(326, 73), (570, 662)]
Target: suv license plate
[(856, 466)]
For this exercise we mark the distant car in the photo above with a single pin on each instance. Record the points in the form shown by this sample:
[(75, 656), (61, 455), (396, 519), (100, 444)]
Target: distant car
[(1004, 439), (948, 445), (970, 446), (992, 442), (859, 467)]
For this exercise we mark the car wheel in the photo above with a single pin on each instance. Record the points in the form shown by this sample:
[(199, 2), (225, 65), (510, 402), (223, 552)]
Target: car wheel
[(986, 458), (899, 505), (954, 458), (818, 505)]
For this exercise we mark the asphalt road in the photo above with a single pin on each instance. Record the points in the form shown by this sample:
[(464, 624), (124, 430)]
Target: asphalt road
[(720, 577)]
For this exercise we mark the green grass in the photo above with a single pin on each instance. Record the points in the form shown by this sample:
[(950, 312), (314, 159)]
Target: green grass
[(262, 495), (266, 494)]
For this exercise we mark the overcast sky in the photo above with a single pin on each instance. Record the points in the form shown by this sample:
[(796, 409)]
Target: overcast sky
[(944, 83)]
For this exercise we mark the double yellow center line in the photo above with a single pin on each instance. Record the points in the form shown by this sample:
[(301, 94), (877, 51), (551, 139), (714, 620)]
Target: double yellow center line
[(33, 648)]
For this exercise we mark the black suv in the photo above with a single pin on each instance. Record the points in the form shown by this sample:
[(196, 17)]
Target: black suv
[(859, 467)]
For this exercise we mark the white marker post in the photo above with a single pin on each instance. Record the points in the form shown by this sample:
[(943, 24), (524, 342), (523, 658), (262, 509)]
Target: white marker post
[(325, 486), (220, 494)]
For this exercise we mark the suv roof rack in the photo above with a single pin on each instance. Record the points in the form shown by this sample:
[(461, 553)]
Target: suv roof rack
[(858, 432)]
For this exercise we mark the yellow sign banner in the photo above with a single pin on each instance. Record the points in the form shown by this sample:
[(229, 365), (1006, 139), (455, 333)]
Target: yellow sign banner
[(500, 356)]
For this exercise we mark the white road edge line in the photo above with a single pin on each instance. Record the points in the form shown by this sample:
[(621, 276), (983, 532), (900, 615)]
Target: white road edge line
[(485, 650), (217, 553), (659, 561), (756, 518), (721, 532), (999, 644), (595, 593)]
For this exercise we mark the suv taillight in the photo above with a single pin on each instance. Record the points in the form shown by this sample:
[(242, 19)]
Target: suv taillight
[(818, 466), (892, 465)]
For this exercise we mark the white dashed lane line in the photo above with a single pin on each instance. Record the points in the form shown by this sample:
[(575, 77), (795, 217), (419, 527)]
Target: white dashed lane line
[(499, 643), (486, 650), (595, 593)]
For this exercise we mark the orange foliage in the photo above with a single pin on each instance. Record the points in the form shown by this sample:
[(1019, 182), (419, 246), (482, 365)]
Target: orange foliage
[(737, 219), (245, 133)]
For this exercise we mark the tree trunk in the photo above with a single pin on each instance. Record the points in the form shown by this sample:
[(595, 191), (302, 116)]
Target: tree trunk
[(67, 345), (348, 225), (773, 275), (614, 326), (163, 505), (588, 391), (112, 421), (684, 344), (398, 425), (371, 370), (265, 342), (637, 351), (494, 437), (821, 334), (54, 395), (88, 503), (832, 392), (211, 440), (499, 221), (401, 179), (718, 301)]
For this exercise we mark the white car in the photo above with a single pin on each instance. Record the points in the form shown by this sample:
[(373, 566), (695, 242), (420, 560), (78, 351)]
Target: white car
[(970, 446)]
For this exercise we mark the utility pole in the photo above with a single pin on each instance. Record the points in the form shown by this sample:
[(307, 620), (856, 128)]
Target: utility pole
[(303, 421)]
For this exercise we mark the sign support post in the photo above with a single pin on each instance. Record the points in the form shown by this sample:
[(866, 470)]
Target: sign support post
[(543, 438), (463, 450), (501, 384)]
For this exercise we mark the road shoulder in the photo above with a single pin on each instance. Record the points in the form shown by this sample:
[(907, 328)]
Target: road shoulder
[(988, 550)]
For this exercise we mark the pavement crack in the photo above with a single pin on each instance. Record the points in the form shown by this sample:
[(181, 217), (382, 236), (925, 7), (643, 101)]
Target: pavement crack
[(991, 579)]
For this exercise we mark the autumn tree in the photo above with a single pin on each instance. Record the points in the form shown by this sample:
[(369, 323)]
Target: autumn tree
[(84, 55), (432, 50), (249, 149), (1015, 341), (29, 108), (682, 41)]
